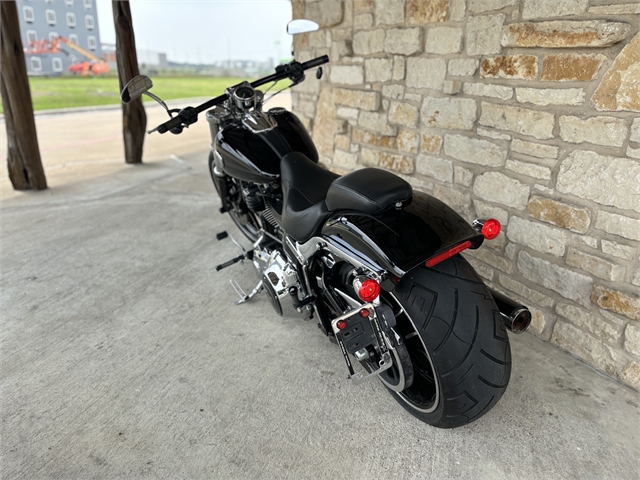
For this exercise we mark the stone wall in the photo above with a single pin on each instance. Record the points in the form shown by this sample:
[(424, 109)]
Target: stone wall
[(521, 110)]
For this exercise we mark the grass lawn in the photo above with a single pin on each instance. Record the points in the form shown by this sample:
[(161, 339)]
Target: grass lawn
[(66, 92)]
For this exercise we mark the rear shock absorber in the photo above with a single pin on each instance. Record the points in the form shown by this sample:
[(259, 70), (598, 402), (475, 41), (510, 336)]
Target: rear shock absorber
[(253, 198)]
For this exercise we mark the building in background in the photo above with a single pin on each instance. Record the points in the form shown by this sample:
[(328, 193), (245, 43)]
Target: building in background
[(150, 59), (75, 20)]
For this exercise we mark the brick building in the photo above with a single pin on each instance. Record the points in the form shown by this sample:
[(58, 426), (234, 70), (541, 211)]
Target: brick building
[(521, 110), (76, 20)]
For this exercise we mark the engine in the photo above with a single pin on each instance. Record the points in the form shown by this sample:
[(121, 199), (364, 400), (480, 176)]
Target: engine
[(278, 276)]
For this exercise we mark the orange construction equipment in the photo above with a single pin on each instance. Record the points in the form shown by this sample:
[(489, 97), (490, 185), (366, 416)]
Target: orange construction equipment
[(94, 65)]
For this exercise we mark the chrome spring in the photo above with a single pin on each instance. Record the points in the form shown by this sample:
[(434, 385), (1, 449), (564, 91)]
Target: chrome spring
[(267, 214)]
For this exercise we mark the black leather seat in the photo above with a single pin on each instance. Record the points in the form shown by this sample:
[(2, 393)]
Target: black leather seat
[(311, 193), (304, 185), (368, 190)]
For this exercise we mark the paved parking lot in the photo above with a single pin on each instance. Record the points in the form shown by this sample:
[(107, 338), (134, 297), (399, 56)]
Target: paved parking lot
[(123, 356)]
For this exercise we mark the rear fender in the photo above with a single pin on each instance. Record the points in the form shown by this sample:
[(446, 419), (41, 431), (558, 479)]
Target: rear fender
[(399, 240)]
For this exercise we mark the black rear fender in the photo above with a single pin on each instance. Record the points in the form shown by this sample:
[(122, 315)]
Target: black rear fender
[(399, 240)]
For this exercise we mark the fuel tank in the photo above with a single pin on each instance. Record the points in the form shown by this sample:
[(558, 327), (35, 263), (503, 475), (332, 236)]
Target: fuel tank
[(255, 157)]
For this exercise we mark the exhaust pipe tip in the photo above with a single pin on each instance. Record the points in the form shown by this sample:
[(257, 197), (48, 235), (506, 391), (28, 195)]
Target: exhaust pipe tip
[(516, 317), (518, 320)]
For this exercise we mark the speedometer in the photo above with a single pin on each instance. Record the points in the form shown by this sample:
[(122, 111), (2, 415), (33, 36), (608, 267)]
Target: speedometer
[(244, 96)]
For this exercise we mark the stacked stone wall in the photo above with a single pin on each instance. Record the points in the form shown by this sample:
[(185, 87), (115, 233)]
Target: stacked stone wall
[(521, 110)]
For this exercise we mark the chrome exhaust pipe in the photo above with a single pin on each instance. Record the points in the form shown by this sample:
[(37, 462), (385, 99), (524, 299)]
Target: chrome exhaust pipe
[(516, 317)]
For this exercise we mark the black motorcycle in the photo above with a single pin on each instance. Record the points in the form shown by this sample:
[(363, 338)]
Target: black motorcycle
[(374, 262)]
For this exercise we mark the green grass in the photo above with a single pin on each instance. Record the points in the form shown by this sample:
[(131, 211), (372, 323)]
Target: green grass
[(67, 92)]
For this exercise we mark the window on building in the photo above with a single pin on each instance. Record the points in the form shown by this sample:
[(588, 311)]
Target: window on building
[(53, 36), (68, 3), (71, 19), (28, 14), (56, 63), (51, 17), (36, 64), (91, 41), (73, 38), (32, 36), (87, 4), (88, 21)]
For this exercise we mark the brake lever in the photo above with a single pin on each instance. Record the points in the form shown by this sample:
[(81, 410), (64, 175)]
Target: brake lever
[(187, 116)]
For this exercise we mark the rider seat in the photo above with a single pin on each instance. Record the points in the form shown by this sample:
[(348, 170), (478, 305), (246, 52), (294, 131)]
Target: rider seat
[(312, 193)]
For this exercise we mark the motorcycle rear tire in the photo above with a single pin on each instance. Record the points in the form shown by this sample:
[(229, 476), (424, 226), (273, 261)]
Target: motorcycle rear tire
[(461, 354)]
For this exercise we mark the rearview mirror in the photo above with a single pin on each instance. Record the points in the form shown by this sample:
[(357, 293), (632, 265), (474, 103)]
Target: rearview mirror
[(135, 88), (301, 25)]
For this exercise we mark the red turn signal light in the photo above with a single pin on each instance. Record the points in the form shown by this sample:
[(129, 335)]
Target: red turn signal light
[(341, 324), (491, 229), (369, 290)]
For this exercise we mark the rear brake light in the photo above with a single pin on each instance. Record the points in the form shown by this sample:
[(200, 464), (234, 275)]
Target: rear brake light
[(448, 254), (369, 290)]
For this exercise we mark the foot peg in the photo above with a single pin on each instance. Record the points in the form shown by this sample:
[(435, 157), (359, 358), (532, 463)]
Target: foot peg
[(239, 258)]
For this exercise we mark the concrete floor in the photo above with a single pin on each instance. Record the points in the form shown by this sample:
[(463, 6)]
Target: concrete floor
[(123, 356)]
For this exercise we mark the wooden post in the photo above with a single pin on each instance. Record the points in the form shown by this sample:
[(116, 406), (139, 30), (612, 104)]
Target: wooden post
[(134, 118), (25, 165)]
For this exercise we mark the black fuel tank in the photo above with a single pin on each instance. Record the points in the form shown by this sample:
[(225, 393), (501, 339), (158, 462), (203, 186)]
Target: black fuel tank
[(255, 157)]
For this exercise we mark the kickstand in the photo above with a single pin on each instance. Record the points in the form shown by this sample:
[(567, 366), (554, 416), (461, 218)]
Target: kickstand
[(244, 298)]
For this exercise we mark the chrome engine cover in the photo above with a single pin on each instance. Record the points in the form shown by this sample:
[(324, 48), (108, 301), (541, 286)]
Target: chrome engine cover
[(278, 275)]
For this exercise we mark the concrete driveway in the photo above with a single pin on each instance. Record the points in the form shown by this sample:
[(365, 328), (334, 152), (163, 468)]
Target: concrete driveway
[(123, 356)]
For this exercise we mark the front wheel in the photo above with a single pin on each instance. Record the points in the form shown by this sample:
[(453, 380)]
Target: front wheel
[(457, 342)]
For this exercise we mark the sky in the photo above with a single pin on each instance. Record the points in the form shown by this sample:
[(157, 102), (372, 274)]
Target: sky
[(207, 30)]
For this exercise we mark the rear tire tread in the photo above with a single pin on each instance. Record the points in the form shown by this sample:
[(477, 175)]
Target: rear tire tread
[(479, 352), (459, 364), (492, 358), (484, 380)]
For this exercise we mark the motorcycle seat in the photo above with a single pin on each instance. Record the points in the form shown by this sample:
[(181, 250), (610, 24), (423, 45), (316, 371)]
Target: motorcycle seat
[(311, 193), (304, 187), (368, 190)]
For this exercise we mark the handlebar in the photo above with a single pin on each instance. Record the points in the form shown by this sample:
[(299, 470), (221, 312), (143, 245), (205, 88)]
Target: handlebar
[(189, 115), (316, 62)]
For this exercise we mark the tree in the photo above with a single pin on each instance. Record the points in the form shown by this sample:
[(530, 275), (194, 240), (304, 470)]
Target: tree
[(134, 118), (23, 159)]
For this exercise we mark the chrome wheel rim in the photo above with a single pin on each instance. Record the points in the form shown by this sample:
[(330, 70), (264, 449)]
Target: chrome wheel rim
[(395, 371), (424, 377)]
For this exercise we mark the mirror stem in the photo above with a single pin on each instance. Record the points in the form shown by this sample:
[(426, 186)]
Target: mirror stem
[(158, 99)]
